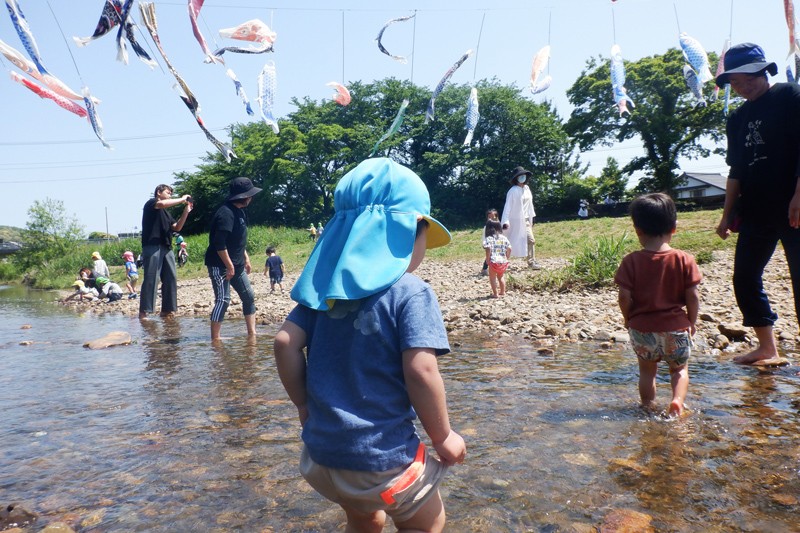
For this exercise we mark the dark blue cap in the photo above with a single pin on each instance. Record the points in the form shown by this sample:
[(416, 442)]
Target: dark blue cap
[(745, 58)]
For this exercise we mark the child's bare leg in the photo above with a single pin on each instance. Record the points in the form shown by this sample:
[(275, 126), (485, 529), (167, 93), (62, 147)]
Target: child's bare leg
[(766, 347), (493, 281), (679, 377), (363, 523), (429, 518), (647, 382), (502, 280)]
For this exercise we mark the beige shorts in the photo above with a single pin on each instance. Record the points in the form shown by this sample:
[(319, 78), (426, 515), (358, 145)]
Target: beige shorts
[(399, 491)]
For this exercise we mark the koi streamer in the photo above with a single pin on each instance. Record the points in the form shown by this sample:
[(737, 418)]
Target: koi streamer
[(267, 85), (442, 82), (148, 13), (396, 123), (111, 16), (252, 31), (380, 36)]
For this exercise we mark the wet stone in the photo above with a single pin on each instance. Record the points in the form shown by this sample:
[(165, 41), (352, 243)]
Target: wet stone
[(115, 338), (58, 527), (733, 331), (775, 361), (13, 515), (627, 521)]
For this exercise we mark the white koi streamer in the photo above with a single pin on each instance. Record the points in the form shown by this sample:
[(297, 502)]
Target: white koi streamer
[(267, 85), (473, 115), (380, 36)]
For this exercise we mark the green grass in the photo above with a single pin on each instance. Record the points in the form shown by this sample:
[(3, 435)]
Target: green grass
[(594, 248)]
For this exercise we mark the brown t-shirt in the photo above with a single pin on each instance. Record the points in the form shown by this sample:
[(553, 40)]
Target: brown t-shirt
[(658, 283)]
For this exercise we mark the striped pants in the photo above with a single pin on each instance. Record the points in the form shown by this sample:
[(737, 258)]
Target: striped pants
[(222, 292)]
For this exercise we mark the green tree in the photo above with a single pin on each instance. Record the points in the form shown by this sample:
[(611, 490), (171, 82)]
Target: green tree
[(320, 142), (664, 119), (49, 233), (612, 182)]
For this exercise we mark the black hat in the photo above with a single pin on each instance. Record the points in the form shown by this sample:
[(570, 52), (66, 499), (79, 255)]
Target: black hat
[(519, 171), (242, 188), (745, 58)]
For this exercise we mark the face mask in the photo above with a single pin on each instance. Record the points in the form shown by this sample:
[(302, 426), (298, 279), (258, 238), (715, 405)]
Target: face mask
[(522, 178)]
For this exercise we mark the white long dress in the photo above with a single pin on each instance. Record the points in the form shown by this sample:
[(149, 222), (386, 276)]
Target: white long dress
[(518, 209)]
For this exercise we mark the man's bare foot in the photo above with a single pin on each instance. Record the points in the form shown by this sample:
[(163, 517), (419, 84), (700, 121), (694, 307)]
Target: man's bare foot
[(142, 316), (758, 354), (675, 408), (167, 315)]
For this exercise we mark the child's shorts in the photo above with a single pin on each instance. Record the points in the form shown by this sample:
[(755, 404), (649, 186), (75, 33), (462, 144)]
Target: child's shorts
[(674, 347), (399, 491), (273, 281), (133, 278)]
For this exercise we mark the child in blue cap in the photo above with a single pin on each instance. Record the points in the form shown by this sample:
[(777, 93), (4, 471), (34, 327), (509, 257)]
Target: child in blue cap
[(372, 332)]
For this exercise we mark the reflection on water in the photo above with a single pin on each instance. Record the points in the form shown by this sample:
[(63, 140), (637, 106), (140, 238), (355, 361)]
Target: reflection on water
[(174, 433)]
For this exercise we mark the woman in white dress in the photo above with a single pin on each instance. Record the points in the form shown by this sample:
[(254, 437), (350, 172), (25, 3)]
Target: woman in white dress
[(518, 217)]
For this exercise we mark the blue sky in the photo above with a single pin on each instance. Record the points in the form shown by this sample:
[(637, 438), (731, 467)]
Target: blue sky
[(48, 152)]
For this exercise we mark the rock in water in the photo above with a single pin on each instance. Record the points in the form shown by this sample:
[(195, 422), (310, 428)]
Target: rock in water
[(626, 521), (15, 515), (115, 338)]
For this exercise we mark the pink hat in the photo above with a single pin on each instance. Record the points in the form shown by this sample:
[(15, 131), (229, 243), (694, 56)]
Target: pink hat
[(128, 256)]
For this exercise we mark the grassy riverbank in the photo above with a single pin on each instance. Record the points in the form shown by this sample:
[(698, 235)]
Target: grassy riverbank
[(593, 246)]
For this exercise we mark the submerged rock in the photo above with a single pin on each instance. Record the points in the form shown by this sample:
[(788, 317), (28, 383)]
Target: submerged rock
[(15, 515), (115, 338), (627, 521)]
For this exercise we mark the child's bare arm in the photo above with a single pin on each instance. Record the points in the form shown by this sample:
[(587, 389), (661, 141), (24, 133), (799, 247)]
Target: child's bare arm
[(488, 255), (426, 391), (291, 363), (283, 269), (266, 270), (625, 301), (692, 305), (508, 252)]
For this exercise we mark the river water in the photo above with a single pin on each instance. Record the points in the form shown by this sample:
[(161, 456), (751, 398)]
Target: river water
[(174, 434)]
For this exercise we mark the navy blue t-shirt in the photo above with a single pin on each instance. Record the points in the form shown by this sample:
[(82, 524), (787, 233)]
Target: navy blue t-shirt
[(360, 415)]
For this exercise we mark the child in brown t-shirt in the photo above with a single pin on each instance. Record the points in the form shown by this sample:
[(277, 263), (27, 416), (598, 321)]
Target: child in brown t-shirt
[(655, 284)]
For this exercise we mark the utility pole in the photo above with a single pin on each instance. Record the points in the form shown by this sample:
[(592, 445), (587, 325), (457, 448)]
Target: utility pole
[(107, 237)]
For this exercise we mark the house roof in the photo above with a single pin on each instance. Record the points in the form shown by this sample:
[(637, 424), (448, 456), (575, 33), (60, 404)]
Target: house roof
[(715, 180)]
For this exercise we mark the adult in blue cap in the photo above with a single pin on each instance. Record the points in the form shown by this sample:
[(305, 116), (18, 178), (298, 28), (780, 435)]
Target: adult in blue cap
[(762, 201), (226, 256)]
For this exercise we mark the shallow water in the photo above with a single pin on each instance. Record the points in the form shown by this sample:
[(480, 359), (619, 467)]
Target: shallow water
[(174, 434)]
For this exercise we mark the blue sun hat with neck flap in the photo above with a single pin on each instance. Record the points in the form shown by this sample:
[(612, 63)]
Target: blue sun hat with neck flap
[(366, 247)]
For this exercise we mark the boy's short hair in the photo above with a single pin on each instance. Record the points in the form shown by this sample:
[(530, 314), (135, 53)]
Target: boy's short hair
[(655, 214), (491, 212), (270, 250), (160, 189)]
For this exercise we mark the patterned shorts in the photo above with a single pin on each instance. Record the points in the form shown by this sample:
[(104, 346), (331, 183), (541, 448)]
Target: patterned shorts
[(674, 347)]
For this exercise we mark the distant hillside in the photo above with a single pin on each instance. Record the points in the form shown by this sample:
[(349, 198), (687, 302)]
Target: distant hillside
[(10, 233)]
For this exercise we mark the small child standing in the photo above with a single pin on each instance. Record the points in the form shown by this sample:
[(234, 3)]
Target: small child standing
[(655, 284), (491, 214), (100, 266), (357, 355), (498, 250), (275, 269), (131, 274)]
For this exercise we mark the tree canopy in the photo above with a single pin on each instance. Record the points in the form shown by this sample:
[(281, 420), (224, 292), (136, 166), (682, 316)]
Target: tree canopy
[(321, 141), (665, 119)]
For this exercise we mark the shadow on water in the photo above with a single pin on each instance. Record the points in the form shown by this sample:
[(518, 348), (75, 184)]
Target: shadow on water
[(176, 433)]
